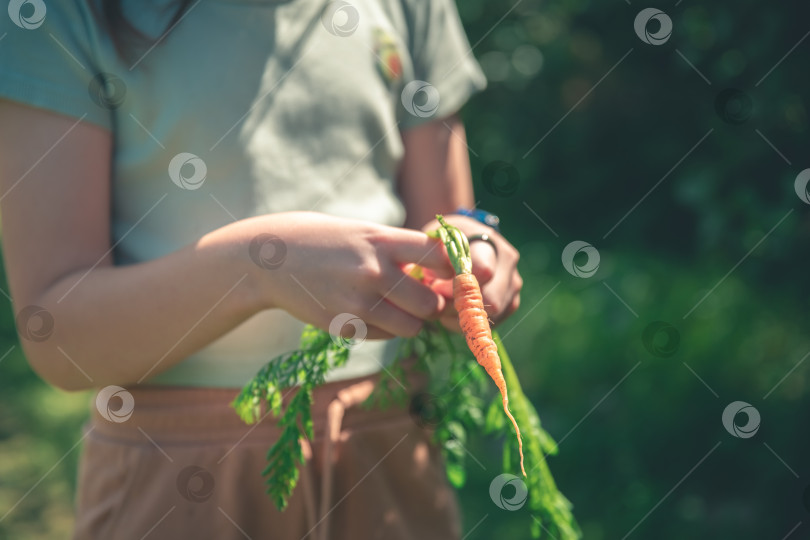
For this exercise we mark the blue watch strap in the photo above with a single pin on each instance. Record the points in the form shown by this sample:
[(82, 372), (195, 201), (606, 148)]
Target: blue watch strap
[(482, 216)]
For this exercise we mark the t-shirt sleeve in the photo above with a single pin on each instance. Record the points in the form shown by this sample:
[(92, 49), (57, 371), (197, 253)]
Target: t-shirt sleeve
[(46, 58), (445, 72)]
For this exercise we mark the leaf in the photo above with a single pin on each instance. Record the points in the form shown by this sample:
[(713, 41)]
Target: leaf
[(456, 474), (545, 500), (495, 420), (274, 402), (460, 389), (457, 432), (306, 368)]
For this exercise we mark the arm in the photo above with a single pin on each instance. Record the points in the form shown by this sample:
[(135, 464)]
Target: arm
[(123, 324), (435, 178), (435, 173), (114, 323)]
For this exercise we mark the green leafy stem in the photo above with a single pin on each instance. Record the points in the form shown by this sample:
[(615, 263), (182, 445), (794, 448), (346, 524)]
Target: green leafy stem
[(457, 245), (296, 373), (457, 406)]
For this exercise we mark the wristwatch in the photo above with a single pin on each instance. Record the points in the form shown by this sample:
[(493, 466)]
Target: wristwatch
[(482, 216)]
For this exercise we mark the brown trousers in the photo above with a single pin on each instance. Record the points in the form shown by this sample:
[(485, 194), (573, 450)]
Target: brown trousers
[(184, 466)]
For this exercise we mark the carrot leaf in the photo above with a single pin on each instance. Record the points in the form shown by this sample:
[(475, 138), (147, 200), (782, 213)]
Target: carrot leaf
[(551, 510), (300, 370), (458, 248)]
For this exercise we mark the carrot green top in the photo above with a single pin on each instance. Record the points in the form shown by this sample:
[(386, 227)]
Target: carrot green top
[(458, 248)]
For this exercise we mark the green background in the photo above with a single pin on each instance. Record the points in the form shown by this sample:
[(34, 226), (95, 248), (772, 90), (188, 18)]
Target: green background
[(642, 445)]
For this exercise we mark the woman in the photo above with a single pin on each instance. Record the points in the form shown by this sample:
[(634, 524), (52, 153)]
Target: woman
[(184, 185)]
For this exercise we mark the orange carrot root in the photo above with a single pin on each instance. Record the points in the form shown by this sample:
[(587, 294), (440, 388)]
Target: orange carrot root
[(474, 324)]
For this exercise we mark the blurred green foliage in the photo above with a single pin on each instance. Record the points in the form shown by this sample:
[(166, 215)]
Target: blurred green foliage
[(632, 425), (642, 447), (39, 429)]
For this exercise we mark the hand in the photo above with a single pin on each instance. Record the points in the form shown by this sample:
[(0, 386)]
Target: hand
[(334, 265), (496, 273)]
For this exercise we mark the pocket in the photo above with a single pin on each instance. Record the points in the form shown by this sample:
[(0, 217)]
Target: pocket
[(107, 473)]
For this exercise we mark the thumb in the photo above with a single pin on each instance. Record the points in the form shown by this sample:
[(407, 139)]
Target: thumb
[(418, 248), (484, 261)]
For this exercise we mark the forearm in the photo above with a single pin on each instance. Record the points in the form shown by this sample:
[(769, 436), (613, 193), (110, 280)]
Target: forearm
[(122, 325), (435, 175)]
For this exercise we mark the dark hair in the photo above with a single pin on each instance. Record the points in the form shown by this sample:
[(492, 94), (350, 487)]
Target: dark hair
[(126, 37)]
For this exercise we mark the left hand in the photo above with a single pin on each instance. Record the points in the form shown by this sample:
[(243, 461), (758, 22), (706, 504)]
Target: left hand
[(496, 273)]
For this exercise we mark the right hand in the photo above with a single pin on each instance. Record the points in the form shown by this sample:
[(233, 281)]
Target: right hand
[(335, 265)]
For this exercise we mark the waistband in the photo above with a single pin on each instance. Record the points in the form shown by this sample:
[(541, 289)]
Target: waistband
[(187, 415)]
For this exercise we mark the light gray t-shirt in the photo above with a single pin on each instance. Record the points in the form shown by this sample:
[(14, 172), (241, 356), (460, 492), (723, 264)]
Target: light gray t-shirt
[(245, 108)]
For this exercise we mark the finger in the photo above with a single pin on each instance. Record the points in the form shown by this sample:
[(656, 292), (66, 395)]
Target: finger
[(417, 247), (508, 311), (517, 282), (492, 307), (357, 329), (484, 261), (513, 307), (412, 296), (389, 318), (428, 275), (377, 333), (448, 311), (443, 287), (451, 323)]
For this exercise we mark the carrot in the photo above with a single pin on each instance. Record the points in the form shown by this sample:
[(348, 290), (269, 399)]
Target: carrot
[(472, 316)]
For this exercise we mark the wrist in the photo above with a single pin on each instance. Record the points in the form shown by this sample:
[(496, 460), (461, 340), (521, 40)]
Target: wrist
[(231, 248), (482, 216)]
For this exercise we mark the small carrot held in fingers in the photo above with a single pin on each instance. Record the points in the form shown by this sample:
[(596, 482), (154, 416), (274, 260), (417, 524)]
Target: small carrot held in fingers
[(472, 316)]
